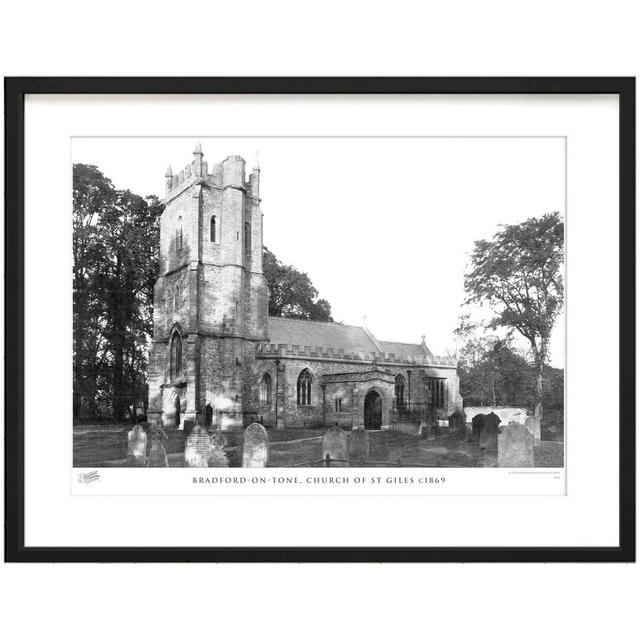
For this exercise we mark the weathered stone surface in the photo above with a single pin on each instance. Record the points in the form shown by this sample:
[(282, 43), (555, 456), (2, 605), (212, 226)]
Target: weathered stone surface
[(218, 456), (136, 447), (188, 426), (157, 452), (198, 448), (335, 444), (476, 424), (533, 424), (515, 446), (255, 446), (494, 419), (488, 439), (358, 444)]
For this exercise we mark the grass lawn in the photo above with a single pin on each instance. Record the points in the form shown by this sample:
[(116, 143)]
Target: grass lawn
[(106, 445)]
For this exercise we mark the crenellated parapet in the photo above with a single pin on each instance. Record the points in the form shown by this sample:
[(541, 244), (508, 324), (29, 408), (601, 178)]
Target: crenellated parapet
[(270, 350), (230, 173)]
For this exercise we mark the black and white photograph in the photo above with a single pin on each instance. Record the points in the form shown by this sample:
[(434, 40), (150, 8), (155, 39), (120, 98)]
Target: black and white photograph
[(374, 320), (319, 302), (320, 319)]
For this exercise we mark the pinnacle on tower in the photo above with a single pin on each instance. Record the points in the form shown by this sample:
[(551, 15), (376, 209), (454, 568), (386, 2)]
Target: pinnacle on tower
[(168, 173), (256, 163), (198, 150)]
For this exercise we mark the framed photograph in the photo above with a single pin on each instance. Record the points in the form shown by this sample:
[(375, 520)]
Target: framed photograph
[(320, 319)]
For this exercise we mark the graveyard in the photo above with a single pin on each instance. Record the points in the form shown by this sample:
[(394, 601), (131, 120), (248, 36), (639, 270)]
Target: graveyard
[(492, 445)]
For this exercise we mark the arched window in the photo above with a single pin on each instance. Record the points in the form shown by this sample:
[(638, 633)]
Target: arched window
[(212, 229), (247, 238), (176, 356), (304, 388), (265, 390), (179, 234), (399, 389)]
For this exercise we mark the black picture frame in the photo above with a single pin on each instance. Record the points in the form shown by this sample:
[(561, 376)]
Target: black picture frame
[(15, 91)]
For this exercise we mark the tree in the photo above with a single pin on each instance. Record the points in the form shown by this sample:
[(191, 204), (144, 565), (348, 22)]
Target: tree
[(115, 252), (518, 273), (291, 292), (492, 371)]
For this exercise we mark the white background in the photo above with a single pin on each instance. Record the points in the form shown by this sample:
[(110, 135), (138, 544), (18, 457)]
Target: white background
[(490, 38), (586, 516)]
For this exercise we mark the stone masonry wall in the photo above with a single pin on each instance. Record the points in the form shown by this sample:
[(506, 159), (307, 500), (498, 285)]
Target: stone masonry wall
[(315, 414)]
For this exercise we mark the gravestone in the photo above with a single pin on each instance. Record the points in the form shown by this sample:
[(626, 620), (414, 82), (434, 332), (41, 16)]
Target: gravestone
[(335, 444), (476, 424), (457, 422), (515, 446), (255, 446), (157, 453), (488, 439), (533, 424), (217, 456), (493, 419), (358, 444), (188, 426), (197, 448), (137, 447)]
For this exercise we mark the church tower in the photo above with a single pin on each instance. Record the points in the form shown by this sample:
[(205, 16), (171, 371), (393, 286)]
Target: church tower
[(211, 299)]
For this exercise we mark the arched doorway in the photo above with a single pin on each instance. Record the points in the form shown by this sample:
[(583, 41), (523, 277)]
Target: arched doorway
[(176, 412), (372, 410)]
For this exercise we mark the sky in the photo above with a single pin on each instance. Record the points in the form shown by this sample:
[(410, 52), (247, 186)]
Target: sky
[(383, 226)]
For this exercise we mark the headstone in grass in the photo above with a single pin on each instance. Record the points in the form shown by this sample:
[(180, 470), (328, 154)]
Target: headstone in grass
[(358, 444), (476, 424), (493, 419), (515, 446), (198, 448), (255, 446), (488, 439), (157, 452), (532, 423), (137, 447), (334, 443), (217, 455)]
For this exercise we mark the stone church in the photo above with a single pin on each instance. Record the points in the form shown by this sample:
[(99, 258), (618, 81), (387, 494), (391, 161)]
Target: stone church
[(218, 358)]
